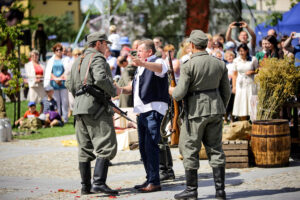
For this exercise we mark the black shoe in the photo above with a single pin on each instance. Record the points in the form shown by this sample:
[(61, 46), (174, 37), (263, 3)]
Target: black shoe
[(103, 188), (166, 176), (219, 178), (191, 186), (85, 173), (100, 175), (141, 186)]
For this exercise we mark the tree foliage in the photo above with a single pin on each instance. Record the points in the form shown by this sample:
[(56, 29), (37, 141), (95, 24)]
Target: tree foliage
[(10, 59), (61, 27)]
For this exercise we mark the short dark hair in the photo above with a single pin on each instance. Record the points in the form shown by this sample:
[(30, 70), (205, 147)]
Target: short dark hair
[(93, 44), (149, 44), (200, 47)]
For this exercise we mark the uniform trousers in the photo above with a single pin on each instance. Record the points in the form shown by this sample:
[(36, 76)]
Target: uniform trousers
[(149, 137), (207, 129), (95, 135)]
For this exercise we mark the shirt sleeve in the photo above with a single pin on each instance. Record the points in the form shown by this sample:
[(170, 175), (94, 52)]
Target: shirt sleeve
[(26, 114), (234, 67), (164, 68)]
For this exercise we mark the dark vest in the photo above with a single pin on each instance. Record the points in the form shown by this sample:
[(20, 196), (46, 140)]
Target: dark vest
[(151, 87)]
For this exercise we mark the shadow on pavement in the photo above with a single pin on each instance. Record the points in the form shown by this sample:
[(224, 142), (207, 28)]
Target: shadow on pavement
[(254, 193)]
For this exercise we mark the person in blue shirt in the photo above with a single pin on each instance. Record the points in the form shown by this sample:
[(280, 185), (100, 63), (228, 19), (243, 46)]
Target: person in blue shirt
[(56, 78)]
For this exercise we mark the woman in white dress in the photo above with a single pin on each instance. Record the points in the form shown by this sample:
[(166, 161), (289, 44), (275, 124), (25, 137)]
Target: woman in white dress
[(35, 72), (243, 82)]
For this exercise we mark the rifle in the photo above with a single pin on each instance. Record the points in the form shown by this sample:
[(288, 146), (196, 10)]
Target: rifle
[(102, 98), (175, 108)]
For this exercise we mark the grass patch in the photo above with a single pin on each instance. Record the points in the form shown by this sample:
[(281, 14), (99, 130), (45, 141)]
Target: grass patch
[(67, 129)]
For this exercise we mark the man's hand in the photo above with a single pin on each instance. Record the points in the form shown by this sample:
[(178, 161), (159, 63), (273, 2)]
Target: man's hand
[(232, 25), (243, 24), (119, 89), (171, 89), (137, 62), (293, 35)]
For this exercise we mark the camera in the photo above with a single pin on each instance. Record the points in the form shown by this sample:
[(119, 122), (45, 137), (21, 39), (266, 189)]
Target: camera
[(133, 53), (237, 24)]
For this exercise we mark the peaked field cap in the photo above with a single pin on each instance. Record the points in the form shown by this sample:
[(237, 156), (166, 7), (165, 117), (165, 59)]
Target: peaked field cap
[(97, 36), (198, 37)]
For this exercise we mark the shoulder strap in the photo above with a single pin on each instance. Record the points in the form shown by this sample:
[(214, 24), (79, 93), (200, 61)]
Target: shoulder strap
[(81, 59), (88, 68)]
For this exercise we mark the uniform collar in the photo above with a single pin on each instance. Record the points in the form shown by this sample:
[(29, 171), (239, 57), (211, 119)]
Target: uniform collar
[(201, 53), (91, 50)]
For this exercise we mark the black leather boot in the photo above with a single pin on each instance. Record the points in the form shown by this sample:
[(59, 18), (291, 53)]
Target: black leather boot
[(163, 175), (100, 175), (85, 173), (219, 177), (190, 192), (165, 165), (170, 164)]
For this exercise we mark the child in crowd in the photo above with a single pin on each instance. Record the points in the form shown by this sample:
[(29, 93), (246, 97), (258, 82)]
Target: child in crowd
[(48, 102), (30, 113), (229, 56), (50, 116)]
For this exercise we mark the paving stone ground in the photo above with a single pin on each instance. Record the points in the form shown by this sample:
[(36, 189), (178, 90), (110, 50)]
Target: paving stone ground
[(45, 170)]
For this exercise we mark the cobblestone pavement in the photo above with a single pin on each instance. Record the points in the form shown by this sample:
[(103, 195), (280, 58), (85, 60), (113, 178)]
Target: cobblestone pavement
[(44, 169)]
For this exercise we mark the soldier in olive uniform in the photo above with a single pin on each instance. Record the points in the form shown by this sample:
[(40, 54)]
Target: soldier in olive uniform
[(94, 124), (204, 86)]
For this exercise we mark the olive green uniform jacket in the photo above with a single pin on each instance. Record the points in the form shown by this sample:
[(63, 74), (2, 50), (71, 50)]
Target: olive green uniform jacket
[(94, 125), (205, 109)]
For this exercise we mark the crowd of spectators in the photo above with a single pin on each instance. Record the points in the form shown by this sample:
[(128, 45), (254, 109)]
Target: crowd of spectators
[(242, 57)]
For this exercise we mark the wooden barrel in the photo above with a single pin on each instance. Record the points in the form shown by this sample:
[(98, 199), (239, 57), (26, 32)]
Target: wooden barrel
[(271, 143)]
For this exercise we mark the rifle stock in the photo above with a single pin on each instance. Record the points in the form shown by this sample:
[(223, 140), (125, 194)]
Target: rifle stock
[(175, 128)]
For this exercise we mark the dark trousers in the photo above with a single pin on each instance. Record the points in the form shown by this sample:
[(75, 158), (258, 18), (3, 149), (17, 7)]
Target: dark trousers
[(149, 137)]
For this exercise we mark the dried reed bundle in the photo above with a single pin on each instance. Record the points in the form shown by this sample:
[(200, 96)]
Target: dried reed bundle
[(277, 80)]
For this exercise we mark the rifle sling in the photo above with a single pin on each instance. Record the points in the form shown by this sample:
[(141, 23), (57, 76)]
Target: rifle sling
[(88, 69)]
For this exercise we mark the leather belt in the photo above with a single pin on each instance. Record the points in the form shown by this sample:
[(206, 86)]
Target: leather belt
[(195, 93)]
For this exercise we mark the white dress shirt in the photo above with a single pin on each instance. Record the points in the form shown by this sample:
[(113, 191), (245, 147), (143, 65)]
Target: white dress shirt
[(139, 106)]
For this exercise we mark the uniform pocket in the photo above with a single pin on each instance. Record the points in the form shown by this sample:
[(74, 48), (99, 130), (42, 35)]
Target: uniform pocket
[(198, 107)]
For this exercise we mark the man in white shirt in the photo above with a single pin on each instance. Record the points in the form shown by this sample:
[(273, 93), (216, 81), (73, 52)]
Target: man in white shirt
[(150, 96)]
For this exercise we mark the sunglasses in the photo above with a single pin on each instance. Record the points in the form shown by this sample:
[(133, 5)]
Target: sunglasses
[(58, 49)]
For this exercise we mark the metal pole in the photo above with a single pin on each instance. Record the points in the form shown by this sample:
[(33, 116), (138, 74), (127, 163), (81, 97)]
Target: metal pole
[(82, 26)]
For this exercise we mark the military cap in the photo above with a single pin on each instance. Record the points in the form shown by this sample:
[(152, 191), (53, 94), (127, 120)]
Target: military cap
[(198, 38), (97, 36)]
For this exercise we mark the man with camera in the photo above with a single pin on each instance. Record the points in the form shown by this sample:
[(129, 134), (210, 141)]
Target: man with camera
[(150, 100), (94, 125), (243, 36)]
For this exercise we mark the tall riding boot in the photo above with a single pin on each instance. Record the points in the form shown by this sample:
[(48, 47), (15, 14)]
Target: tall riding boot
[(191, 186), (100, 175), (85, 173), (170, 163), (219, 177), (163, 174)]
